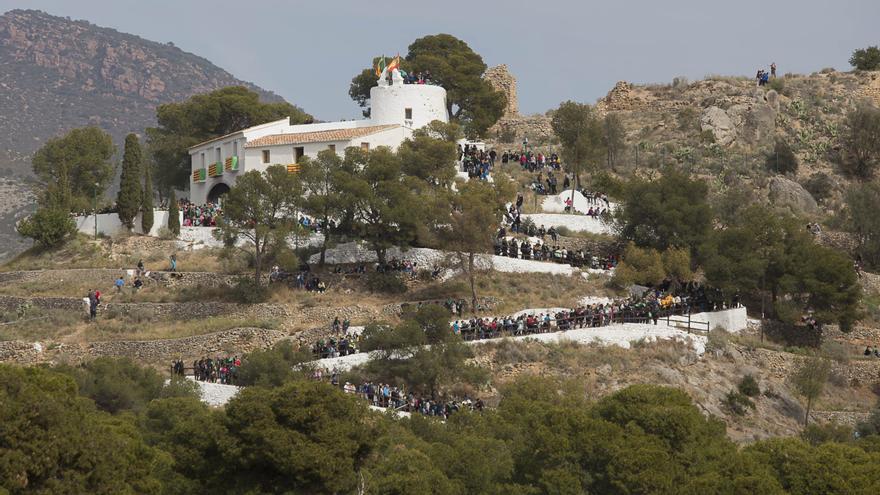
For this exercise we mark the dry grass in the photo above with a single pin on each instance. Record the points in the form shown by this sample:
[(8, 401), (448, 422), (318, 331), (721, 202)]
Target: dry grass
[(116, 253), (134, 324), (113, 329)]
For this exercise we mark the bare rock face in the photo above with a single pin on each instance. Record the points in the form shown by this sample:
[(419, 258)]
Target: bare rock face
[(872, 89), (502, 80), (720, 124), (788, 193)]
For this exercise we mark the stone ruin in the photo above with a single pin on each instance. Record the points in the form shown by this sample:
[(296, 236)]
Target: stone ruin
[(502, 80)]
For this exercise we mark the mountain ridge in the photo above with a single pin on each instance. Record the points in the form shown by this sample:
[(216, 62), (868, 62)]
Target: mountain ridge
[(57, 74)]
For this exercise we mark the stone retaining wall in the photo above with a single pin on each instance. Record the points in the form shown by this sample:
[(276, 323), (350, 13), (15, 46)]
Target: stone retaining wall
[(236, 341), (782, 365), (847, 418), (104, 277), (20, 352), (149, 310)]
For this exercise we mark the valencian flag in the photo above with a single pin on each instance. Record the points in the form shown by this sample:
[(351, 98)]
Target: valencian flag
[(380, 66)]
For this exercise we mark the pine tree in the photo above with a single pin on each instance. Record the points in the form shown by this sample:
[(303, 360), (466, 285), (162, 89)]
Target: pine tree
[(173, 215), (128, 201), (147, 203)]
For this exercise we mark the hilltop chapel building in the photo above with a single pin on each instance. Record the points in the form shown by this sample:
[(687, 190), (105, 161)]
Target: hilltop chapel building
[(396, 109)]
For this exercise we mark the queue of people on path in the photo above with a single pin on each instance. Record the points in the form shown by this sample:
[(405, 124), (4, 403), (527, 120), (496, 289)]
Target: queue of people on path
[(388, 396), (541, 251), (649, 308), (531, 161), (397, 398)]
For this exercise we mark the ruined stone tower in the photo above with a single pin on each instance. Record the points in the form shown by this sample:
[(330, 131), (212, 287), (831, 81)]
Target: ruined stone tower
[(501, 79)]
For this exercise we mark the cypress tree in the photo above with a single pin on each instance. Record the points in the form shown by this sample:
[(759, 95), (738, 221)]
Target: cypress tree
[(128, 200), (147, 203), (173, 215)]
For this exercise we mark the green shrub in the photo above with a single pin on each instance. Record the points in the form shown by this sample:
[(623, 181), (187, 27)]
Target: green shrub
[(738, 403), (866, 58), (48, 227), (608, 184), (272, 367), (777, 84), (120, 384), (385, 283), (564, 231), (246, 291), (782, 159), (823, 433), (820, 186), (179, 386), (748, 386)]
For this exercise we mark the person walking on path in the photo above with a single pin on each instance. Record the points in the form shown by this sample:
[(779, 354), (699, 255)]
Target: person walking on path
[(93, 304), (174, 263)]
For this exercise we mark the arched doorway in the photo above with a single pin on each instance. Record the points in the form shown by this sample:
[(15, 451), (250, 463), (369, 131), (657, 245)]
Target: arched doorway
[(217, 191)]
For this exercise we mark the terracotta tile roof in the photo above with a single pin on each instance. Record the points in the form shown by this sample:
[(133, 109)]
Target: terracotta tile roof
[(318, 136)]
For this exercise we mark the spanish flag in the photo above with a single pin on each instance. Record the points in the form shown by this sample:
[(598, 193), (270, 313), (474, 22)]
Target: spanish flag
[(395, 63)]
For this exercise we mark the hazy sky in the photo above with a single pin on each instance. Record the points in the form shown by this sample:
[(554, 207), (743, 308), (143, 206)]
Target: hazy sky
[(308, 51)]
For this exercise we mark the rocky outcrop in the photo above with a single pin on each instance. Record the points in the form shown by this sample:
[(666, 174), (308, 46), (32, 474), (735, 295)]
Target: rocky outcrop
[(716, 121), (621, 97), (502, 80), (788, 193), (871, 90), (536, 129)]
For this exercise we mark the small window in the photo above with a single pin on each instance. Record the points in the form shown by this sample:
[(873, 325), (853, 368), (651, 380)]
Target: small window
[(218, 155), (235, 148), (331, 147), (203, 160), (407, 112), (266, 156), (298, 153), (365, 146)]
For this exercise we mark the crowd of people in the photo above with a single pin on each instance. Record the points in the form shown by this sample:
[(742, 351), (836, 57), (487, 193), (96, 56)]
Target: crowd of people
[(416, 77), (389, 396), (204, 215), (531, 161), (340, 344), (763, 77), (869, 352), (409, 268), (212, 370), (477, 163)]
